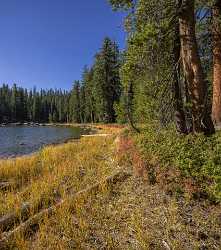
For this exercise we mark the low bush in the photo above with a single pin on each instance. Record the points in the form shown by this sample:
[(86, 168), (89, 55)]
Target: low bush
[(197, 156)]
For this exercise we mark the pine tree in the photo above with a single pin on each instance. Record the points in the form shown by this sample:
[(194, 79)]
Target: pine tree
[(91, 100), (193, 69), (106, 81), (87, 83), (216, 32), (152, 57), (75, 103)]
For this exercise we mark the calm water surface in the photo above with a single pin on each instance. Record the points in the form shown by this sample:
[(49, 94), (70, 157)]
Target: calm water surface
[(16, 141)]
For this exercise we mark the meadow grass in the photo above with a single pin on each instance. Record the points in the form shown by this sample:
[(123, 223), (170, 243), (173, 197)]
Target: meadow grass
[(137, 213), (53, 173)]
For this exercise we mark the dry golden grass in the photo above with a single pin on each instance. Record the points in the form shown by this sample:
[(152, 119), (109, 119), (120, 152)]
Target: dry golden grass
[(133, 214), (53, 173), (130, 215)]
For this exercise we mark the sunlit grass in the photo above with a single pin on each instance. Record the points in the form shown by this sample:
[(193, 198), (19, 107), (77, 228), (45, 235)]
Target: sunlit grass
[(132, 214), (53, 173)]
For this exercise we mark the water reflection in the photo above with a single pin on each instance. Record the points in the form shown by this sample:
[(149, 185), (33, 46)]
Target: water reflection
[(23, 140)]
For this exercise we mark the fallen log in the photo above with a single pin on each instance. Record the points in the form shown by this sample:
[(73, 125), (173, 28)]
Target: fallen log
[(29, 225), (96, 135), (5, 185), (32, 223), (9, 220)]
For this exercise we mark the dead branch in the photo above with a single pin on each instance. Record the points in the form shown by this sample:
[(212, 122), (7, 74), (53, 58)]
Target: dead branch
[(32, 223), (5, 185), (9, 220)]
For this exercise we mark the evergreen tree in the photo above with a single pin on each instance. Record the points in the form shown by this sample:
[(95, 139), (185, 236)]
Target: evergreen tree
[(75, 103), (91, 100), (20, 105), (87, 84), (158, 31), (106, 81), (216, 32)]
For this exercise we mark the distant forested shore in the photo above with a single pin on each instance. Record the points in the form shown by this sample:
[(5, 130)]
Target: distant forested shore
[(168, 74), (92, 99)]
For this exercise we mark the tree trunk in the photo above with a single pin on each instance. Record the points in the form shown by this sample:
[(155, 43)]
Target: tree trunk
[(180, 119), (193, 71), (129, 108), (216, 30)]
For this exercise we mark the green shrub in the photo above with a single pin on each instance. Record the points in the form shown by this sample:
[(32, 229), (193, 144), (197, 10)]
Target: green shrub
[(197, 156)]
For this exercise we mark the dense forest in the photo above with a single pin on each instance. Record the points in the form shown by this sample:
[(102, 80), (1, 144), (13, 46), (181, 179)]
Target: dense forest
[(91, 100), (171, 81), (172, 65), (170, 72), (153, 182)]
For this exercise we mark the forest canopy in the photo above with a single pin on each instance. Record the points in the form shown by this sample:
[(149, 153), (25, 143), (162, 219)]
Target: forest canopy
[(172, 63), (91, 99), (170, 72)]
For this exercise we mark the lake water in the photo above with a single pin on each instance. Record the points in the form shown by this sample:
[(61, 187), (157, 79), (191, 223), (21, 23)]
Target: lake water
[(22, 140)]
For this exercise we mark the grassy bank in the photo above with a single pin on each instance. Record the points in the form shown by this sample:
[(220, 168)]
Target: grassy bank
[(54, 173), (154, 208)]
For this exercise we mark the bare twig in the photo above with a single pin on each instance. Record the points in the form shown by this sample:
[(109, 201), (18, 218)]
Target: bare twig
[(32, 224)]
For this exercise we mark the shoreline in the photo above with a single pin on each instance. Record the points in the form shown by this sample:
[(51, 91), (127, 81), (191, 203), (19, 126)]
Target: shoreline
[(38, 150), (72, 190), (45, 180), (36, 124), (92, 131)]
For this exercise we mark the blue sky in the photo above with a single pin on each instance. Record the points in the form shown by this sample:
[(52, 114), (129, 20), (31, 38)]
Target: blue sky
[(46, 43)]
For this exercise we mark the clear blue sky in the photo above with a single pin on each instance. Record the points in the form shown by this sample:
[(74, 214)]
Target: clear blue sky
[(46, 43)]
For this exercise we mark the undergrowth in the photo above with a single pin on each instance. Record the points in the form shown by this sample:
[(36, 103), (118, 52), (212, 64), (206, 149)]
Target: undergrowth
[(136, 213), (196, 156)]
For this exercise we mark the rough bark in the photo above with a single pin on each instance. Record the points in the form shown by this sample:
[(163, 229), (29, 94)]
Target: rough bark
[(193, 71), (129, 108), (216, 31), (179, 115)]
